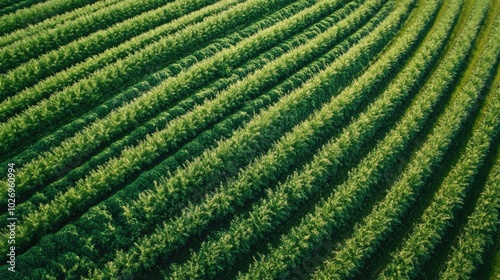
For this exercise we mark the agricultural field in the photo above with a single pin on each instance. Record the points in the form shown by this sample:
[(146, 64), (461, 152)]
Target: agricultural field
[(250, 139)]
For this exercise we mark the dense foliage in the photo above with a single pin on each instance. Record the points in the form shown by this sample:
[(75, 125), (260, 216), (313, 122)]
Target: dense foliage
[(250, 139)]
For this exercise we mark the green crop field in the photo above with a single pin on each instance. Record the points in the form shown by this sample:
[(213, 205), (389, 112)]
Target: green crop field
[(249, 139)]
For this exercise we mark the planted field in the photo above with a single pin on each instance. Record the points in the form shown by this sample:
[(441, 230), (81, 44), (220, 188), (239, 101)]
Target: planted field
[(257, 139)]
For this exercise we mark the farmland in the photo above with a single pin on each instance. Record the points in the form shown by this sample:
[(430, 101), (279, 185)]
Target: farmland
[(250, 139)]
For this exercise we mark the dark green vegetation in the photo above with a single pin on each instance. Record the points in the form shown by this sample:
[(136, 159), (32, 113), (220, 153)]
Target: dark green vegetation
[(258, 139)]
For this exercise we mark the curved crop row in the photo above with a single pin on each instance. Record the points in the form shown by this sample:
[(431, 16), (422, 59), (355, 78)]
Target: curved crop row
[(215, 254), (386, 214), (207, 93), (188, 179), (90, 91), (67, 77), (437, 217), (10, 6), (478, 232), (116, 101), (105, 178), (29, 96), (351, 194), (37, 13), (169, 91), (190, 223), (249, 139), (111, 207), (52, 22), (33, 46), (153, 80), (133, 34)]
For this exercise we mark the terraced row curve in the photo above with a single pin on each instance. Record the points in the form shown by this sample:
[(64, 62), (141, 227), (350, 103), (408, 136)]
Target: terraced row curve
[(250, 139)]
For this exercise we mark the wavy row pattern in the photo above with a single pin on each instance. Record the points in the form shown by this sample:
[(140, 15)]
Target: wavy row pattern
[(249, 139)]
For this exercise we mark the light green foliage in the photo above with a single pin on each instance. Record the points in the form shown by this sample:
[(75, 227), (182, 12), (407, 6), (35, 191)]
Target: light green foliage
[(52, 22), (158, 22), (367, 236), (249, 139), (23, 17), (430, 228)]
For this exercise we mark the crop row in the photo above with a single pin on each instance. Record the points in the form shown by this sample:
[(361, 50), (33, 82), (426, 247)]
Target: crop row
[(368, 235), (171, 90), (37, 13), (236, 194), (149, 82), (9, 6), (89, 91), (52, 22), (431, 227), (481, 225), (40, 43), (188, 152), (478, 232), (104, 179), (347, 63), (251, 139), (218, 253), (65, 78), (167, 18), (204, 94), (154, 79), (349, 196)]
